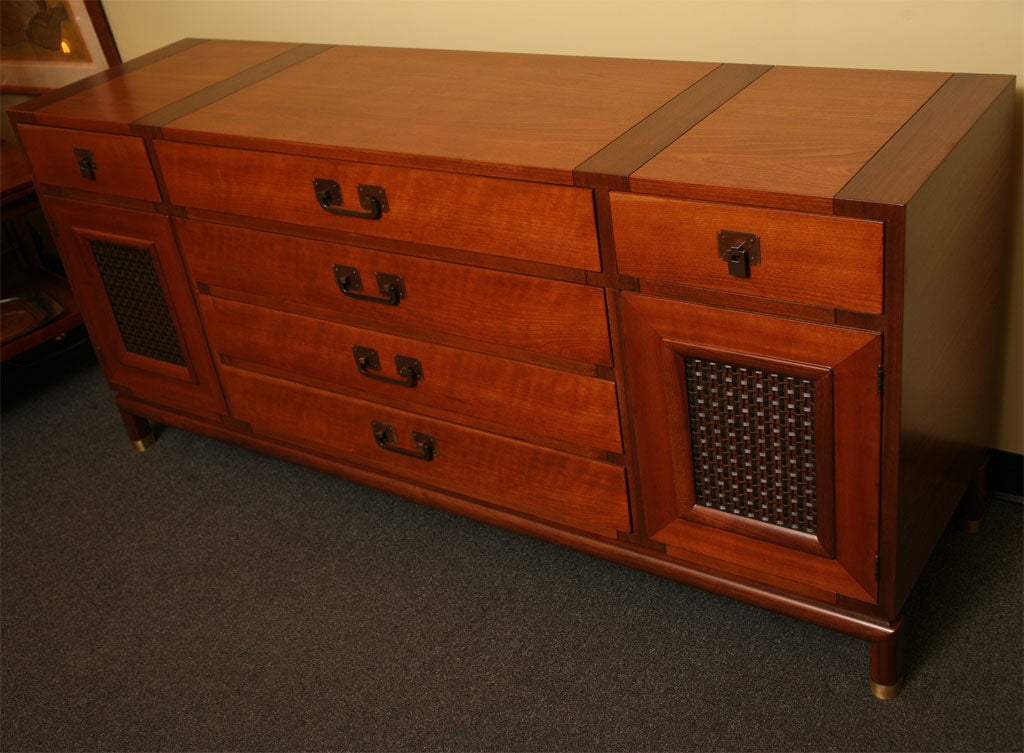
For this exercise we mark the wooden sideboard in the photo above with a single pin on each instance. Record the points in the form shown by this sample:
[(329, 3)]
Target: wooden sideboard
[(730, 324)]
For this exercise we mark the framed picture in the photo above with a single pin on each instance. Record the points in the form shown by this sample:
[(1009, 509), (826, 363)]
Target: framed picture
[(46, 44)]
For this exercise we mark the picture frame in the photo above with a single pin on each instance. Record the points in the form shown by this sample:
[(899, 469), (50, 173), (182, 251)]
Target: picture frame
[(47, 44)]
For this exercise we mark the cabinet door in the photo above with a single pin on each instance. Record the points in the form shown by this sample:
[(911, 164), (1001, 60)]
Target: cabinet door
[(126, 272), (758, 443)]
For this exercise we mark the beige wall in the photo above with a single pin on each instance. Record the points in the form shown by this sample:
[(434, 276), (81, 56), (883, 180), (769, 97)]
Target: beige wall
[(978, 36)]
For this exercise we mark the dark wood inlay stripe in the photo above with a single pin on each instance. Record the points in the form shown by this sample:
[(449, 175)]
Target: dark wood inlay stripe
[(25, 112), (612, 166), (897, 170), (228, 86)]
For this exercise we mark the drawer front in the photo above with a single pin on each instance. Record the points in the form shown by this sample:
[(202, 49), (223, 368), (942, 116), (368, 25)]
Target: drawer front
[(567, 407), (543, 316), (805, 258), (520, 220), (119, 164), (555, 486)]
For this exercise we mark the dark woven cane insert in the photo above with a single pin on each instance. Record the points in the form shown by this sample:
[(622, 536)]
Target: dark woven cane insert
[(752, 435), (138, 301)]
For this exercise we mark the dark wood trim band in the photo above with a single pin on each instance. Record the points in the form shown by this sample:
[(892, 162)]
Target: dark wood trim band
[(895, 173), (25, 112), (612, 166), (214, 92)]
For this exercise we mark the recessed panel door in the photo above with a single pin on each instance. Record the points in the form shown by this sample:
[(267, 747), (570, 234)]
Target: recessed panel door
[(126, 273), (758, 442)]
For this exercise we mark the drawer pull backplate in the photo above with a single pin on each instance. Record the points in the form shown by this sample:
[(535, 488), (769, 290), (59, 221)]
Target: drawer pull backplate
[(368, 362), (387, 439), (391, 287), (374, 199)]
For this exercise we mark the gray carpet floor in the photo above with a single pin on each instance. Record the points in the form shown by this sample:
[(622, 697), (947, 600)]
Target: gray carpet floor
[(202, 597)]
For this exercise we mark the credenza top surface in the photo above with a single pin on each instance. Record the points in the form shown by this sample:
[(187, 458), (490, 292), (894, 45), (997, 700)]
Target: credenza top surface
[(785, 137), (527, 111), (126, 94), (796, 131)]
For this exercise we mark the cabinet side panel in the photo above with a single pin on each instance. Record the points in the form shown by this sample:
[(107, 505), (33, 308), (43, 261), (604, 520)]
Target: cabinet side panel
[(957, 248)]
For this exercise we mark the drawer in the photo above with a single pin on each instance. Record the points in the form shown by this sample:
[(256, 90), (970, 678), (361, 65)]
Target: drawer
[(515, 219), (543, 316), (544, 483), (522, 397), (806, 258), (120, 164)]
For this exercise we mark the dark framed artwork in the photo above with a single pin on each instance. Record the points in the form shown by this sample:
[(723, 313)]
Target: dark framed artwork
[(47, 44)]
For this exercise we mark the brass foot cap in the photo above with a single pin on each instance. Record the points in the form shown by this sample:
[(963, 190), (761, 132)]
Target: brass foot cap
[(886, 692), (144, 444), (969, 526)]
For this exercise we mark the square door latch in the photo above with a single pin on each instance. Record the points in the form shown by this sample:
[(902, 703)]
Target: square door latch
[(86, 163), (740, 251)]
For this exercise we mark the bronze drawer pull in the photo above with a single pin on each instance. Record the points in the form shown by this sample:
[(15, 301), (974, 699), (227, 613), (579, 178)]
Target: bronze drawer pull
[(368, 361), (374, 199), (390, 286), (387, 439)]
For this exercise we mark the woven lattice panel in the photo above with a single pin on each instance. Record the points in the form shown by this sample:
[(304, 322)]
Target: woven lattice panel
[(137, 299), (753, 442)]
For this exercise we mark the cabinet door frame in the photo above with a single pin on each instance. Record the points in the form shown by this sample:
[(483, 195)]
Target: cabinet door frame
[(660, 334), (191, 385)]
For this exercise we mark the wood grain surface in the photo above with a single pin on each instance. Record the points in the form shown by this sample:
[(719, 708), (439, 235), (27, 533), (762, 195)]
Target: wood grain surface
[(520, 220), (531, 314), (535, 117), (122, 163), (792, 139), (806, 258), (474, 388), (121, 100), (550, 485), (613, 165), (901, 167)]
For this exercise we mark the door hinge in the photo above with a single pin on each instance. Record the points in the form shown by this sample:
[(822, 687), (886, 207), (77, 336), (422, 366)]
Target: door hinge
[(881, 378), (878, 568)]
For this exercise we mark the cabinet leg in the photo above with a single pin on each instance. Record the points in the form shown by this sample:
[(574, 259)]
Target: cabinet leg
[(887, 665), (139, 430), (975, 502)]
